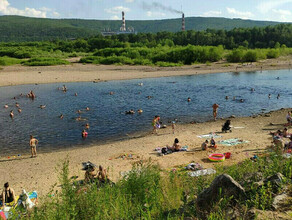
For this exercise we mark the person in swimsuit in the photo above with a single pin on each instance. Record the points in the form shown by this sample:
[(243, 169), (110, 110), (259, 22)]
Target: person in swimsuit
[(11, 114), (176, 146), (215, 108), (90, 175), (84, 134), (33, 143), (102, 175), (8, 195)]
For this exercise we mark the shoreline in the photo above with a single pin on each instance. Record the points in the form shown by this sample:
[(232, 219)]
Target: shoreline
[(76, 72), (40, 173)]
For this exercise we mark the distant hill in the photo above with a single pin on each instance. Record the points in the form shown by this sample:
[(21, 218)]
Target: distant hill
[(18, 28)]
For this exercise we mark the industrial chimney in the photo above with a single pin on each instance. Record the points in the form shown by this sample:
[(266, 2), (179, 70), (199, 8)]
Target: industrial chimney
[(123, 28), (183, 27)]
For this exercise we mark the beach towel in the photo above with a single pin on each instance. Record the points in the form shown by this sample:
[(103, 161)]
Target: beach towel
[(209, 136), (2, 215), (202, 172), (165, 150), (232, 142)]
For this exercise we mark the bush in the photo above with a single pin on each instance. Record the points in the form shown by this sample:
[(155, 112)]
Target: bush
[(250, 56), (42, 61), (273, 53), (235, 56), (7, 61)]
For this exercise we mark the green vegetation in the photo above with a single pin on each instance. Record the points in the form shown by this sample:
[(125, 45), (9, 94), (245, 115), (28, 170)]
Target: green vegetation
[(17, 28), (42, 61), (147, 192), (7, 61)]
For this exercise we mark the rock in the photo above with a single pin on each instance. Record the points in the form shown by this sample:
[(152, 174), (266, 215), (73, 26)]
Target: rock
[(224, 184), (267, 115), (232, 116), (279, 199)]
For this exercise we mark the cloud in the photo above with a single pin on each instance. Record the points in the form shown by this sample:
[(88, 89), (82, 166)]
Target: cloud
[(115, 17), (265, 7), (6, 9), (155, 14), (239, 14), (212, 13), (116, 10), (129, 1), (282, 15)]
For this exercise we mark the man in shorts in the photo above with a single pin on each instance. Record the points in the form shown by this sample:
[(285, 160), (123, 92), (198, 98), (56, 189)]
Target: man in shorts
[(215, 107), (33, 143)]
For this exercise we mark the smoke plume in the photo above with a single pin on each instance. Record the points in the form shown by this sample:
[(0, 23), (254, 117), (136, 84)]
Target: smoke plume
[(157, 5)]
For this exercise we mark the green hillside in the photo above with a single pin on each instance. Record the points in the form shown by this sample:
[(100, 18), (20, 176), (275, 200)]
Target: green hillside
[(17, 28)]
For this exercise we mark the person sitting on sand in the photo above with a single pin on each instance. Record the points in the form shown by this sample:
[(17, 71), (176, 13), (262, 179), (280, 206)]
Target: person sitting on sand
[(90, 175), (213, 144), (226, 127), (8, 195), (11, 114), (205, 145), (176, 146), (102, 174)]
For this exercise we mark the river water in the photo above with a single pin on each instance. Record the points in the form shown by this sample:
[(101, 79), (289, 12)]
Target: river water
[(107, 117)]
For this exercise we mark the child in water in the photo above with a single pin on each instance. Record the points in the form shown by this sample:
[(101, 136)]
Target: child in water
[(84, 134)]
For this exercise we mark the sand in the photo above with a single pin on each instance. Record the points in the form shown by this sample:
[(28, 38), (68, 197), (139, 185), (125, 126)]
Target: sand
[(41, 173), (76, 72)]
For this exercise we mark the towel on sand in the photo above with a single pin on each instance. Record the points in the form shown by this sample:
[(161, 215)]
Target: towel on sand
[(232, 142), (211, 135), (202, 172)]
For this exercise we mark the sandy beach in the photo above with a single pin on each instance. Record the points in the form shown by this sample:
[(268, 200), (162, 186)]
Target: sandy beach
[(76, 72), (41, 173)]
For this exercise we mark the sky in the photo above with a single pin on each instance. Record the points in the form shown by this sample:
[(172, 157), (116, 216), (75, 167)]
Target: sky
[(271, 10)]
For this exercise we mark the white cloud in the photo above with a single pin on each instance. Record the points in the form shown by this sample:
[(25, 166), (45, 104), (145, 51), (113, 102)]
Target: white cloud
[(265, 7), (282, 15), (239, 14), (129, 1), (115, 17), (212, 13), (116, 10), (155, 14), (6, 9)]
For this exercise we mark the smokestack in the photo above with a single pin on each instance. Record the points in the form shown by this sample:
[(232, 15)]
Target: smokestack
[(183, 27), (123, 28)]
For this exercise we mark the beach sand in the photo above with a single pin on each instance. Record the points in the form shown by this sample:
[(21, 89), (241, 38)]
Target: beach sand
[(76, 72), (41, 173)]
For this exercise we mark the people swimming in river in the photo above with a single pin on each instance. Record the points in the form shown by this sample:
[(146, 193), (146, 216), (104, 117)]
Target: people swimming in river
[(130, 112), (61, 116), (226, 97), (252, 89), (17, 105), (6, 106), (241, 100), (78, 111), (269, 96), (87, 109), (87, 126), (42, 106), (189, 99), (80, 119), (140, 111), (234, 98), (31, 95), (84, 134), (19, 110), (75, 94), (64, 88), (149, 97), (111, 93), (278, 96), (11, 114)]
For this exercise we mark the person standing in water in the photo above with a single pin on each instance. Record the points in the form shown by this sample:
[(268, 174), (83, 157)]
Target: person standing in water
[(33, 143), (11, 114), (215, 109)]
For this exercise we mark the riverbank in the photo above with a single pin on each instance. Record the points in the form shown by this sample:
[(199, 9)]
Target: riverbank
[(41, 173), (76, 72)]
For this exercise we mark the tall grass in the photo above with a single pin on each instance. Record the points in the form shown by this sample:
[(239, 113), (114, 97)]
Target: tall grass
[(147, 192), (44, 61), (7, 61)]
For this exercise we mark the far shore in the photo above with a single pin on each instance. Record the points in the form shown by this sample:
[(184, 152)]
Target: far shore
[(76, 72)]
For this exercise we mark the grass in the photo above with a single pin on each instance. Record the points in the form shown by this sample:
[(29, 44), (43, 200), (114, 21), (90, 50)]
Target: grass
[(45, 61), (147, 192), (8, 61)]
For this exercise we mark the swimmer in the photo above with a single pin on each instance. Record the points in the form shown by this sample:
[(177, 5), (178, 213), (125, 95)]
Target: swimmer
[(111, 93), (64, 88), (278, 78), (79, 112), (269, 96), (17, 105), (189, 99), (6, 106), (226, 97), (87, 109), (131, 112), (76, 94), (42, 106), (241, 100), (80, 119), (140, 111), (11, 114), (140, 84), (87, 126), (278, 96), (61, 116), (252, 89), (84, 134), (149, 97), (19, 110)]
